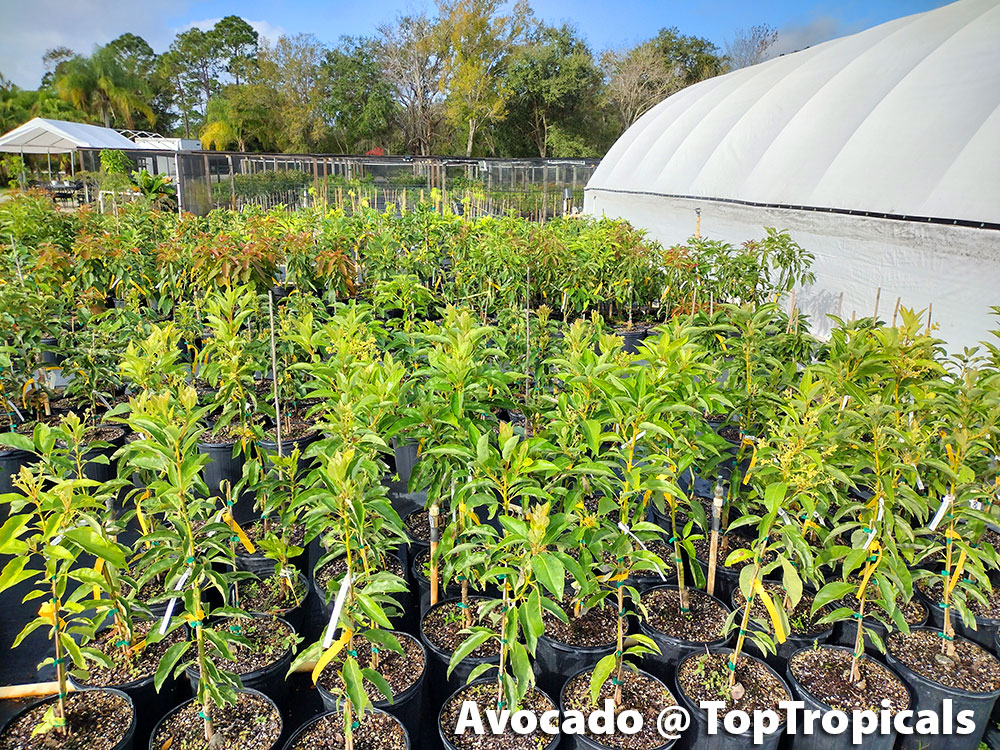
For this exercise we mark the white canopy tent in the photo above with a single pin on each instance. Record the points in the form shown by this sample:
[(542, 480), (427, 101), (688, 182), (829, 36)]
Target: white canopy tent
[(42, 136), (879, 152)]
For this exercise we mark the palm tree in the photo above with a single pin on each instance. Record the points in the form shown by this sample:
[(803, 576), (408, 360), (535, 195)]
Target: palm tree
[(99, 86)]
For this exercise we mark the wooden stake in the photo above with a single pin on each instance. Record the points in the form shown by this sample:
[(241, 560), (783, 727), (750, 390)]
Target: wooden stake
[(930, 307), (435, 523), (713, 551), (697, 222), (895, 312), (32, 690), (878, 296), (840, 304)]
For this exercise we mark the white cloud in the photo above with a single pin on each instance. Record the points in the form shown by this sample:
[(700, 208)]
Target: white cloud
[(794, 38), (31, 28), (265, 29)]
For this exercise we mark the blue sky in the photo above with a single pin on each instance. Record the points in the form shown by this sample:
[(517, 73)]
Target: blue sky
[(33, 26)]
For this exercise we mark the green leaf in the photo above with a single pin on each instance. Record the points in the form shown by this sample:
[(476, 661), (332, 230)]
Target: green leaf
[(14, 573), (97, 545), (168, 661), (470, 644), (549, 571), (831, 592), (600, 675), (10, 531), (354, 683), (17, 441), (380, 682)]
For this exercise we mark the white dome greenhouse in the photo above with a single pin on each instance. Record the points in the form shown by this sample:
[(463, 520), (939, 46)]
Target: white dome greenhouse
[(879, 152)]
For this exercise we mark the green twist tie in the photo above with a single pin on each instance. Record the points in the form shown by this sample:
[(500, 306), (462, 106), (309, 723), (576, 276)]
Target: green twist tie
[(867, 530), (230, 503), (944, 573), (856, 615), (947, 637), (503, 641), (234, 538), (194, 624), (60, 660), (615, 681), (677, 559), (742, 631), (618, 584), (942, 605), (203, 715), (374, 649), (671, 540), (858, 656), (502, 577), (618, 653), (461, 605), (189, 561), (63, 695), (355, 724), (58, 721), (353, 653), (730, 666), (122, 642), (873, 558), (236, 629)]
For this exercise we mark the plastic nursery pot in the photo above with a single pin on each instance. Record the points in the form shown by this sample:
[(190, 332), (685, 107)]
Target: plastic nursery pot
[(697, 735), (632, 339), (11, 461), (793, 642), (845, 633), (269, 680), (438, 660), (407, 707), (49, 356), (822, 740), (127, 742), (325, 598), (294, 615), (158, 746), (673, 648), (582, 741), (930, 696), (406, 458), (556, 662), (261, 565), (226, 467), (288, 446), (295, 740), (986, 630), (99, 470), (423, 588), (553, 741)]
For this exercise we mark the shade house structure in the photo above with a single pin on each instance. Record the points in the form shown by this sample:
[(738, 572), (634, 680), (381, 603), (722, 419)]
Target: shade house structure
[(879, 152)]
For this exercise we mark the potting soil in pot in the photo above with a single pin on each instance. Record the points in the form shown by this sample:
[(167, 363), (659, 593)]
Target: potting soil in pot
[(252, 723), (485, 696), (96, 720), (375, 731), (640, 692), (401, 671), (705, 678), (703, 623), (824, 672), (971, 668)]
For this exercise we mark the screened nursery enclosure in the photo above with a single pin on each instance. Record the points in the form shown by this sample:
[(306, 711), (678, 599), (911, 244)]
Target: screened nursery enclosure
[(877, 151)]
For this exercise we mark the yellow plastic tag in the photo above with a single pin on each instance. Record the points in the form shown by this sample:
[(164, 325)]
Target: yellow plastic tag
[(870, 567), (330, 654), (98, 567), (238, 530), (772, 611), (956, 574), (753, 462)]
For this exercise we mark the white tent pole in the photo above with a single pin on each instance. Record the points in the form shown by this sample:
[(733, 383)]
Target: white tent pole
[(48, 157)]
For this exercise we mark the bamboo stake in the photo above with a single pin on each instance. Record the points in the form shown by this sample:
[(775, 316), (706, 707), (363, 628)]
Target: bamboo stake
[(930, 307), (878, 296), (527, 350), (274, 374), (32, 690), (895, 312), (713, 551), (435, 523)]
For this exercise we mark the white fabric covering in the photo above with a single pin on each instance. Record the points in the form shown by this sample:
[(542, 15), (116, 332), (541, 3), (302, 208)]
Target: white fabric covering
[(41, 136)]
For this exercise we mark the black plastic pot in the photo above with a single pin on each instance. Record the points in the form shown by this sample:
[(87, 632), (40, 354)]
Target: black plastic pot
[(288, 446), (126, 743), (290, 745), (697, 736), (846, 632), (582, 742), (11, 461), (326, 598), (406, 458), (261, 565), (244, 690), (423, 587), (986, 627), (49, 356), (269, 680), (552, 744), (99, 470), (727, 580), (672, 648), (556, 662), (225, 467), (821, 740), (632, 339), (150, 705), (294, 616), (407, 707), (794, 642), (438, 660), (930, 696)]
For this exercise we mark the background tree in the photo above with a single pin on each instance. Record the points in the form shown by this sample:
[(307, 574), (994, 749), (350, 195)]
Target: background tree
[(242, 116), (291, 69), (409, 54), (478, 43), (196, 53), (173, 72), (139, 61), (690, 58), (637, 79), (359, 103), (749, 46), (51, 60), (554, 82), (237, 44), (100, 86)]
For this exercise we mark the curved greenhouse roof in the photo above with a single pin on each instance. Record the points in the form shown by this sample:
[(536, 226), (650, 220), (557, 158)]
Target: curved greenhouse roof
[(902, 119)]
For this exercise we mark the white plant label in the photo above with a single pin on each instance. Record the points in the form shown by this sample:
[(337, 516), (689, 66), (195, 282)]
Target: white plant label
[(338, 605), (844, 401), (975, 504), (170, 605), (878, 518), (920, 482), (945, 502), (638, 541)]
